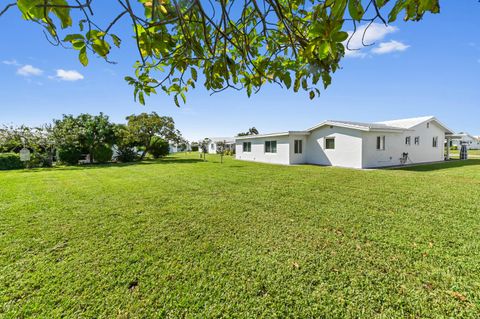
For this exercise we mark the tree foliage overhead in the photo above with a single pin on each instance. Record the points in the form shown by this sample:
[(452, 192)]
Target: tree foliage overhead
[(239, 44)]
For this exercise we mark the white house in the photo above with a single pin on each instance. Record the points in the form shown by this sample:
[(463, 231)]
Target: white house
[(463, 138), (351, 144), (212, 144)]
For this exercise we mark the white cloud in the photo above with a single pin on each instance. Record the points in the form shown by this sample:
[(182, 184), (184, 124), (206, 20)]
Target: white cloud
[(354, 53), (11, 62), (28, 70), (69, 75), (366, 35), (389, 47)]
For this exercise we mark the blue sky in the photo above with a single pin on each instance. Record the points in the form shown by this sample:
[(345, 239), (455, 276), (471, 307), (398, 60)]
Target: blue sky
[(427, 68)]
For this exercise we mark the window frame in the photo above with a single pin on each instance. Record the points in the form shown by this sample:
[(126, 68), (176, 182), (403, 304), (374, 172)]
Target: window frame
[(435, 141), (269, 149), (417, 140), (298, 146), (380, 143), (247, 149), (408, 140), (326, 143)]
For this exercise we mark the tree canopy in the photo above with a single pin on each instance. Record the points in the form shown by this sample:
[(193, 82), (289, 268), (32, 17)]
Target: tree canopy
[(235, 44)]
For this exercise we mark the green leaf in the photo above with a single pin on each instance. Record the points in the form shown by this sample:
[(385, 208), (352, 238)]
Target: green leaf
[(296, 85), (304, 84), (355, 9), (82, 56), (194, 74), (141, 98), (312, 95), (175, 99), (101, 47), (71, 37), (287, 80), (340, 36), (399, 6), (338, 9), (116, 40)]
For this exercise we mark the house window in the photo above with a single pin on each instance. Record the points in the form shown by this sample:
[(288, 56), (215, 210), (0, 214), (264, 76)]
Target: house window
[(270, 146), (408, 140), (330, 143), (417, 140), (212, 146), (435, 141), (381, 143), (298, 146), (428, 125), (247, 147)]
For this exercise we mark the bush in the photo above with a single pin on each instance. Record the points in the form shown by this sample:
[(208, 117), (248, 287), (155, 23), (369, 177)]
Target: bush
[(159, 147), (194, 148), (102, 153), (40, 160), (125, 154), (10, 161), (69, 156)]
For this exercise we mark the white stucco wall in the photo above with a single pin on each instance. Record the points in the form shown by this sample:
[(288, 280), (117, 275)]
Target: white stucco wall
[(258, 154), (395, 146), (298, 158), (347, 152)]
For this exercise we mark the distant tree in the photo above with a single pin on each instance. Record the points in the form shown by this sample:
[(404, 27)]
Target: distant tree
[(38, 140), (84, 133), (203, 146), (251, 131), (142, 128), (124, 144), (221, 146)]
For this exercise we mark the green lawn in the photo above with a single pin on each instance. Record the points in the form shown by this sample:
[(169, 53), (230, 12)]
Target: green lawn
[(184, 238), (471, 153)]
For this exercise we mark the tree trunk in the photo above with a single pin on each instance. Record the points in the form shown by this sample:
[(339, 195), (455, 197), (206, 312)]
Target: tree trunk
[(91, 156)]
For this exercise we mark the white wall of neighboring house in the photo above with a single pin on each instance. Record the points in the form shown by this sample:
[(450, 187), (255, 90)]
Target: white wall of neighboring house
[(470, 141)]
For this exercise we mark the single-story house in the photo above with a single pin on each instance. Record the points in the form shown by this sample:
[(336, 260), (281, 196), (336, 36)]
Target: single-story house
[(463, 138), (214, 141), (351, 144)]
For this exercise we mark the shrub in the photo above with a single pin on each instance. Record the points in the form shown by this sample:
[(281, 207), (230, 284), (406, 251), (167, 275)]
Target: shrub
[(102, 153), (194, 148), (158, 147), (10, 161), (40, 160), (125, 154), (69, 155)]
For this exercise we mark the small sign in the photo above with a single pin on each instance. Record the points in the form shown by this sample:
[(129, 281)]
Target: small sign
[(24, 155)]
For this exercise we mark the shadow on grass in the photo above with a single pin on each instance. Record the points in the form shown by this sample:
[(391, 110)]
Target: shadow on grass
[(162, 161), (438, 166)]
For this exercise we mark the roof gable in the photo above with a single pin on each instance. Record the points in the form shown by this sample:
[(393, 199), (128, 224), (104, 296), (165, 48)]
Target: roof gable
[(415, 121), (359, 126)]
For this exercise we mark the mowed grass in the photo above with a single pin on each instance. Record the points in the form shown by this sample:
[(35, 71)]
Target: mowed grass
[(179, 237), (471, 153)]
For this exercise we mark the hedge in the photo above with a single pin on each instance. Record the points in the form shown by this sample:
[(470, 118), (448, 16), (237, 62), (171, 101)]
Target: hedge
[(10, 161)]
